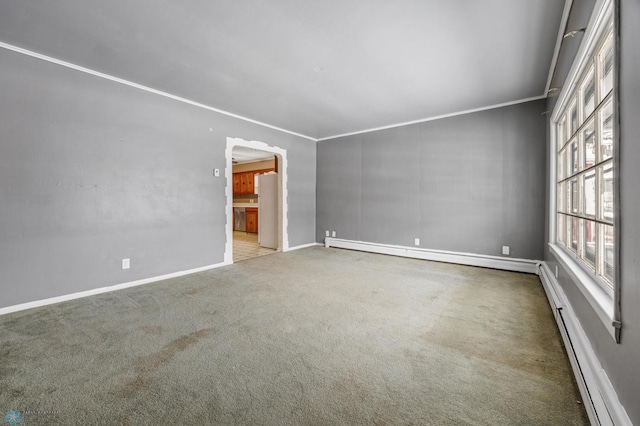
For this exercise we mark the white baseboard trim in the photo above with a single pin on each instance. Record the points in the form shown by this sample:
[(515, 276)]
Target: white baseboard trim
[(78, 295), (600, 399), (304, 246), (471, 259)]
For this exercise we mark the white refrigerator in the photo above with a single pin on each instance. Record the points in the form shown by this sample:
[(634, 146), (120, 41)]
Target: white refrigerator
[(268, 210)]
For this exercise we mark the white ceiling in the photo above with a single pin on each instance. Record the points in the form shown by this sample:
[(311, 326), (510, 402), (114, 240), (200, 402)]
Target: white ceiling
[(241, 154), (320, 68)]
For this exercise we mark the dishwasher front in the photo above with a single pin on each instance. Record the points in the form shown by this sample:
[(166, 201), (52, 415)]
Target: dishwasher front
[(240, 219)]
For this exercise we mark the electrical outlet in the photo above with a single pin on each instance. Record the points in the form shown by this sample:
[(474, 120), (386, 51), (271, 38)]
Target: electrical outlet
[(333, 234), (505, 250), (417, 241), (326, 233), (126, 263), (216, 172)]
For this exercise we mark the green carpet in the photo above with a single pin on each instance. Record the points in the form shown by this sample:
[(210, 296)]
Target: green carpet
[(312, 337)]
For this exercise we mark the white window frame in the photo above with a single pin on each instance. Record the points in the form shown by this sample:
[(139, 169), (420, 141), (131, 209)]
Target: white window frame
[(604, 303)]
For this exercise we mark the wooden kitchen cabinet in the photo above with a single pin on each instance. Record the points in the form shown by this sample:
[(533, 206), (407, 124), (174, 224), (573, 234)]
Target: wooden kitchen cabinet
[(252, 220), (250, 187), (236, 183), (243, 182)]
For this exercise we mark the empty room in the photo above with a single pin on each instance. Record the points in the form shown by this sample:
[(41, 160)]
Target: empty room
[(320, 213)]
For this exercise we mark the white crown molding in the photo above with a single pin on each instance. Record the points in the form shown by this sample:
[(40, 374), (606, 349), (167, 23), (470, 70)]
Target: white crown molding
[(471, 259), (92, 292), (99, 74), (437, 117), (145, 88)]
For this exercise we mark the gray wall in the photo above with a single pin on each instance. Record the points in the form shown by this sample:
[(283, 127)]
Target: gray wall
[(470, 183), (620, 361), (92, 171)]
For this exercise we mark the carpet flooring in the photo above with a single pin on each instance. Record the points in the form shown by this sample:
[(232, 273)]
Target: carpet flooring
[(316, 336)]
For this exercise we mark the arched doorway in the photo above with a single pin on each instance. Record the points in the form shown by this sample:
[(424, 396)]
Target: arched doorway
[(281, 154)]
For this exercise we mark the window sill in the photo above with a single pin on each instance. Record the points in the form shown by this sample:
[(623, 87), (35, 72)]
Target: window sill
[(600, 300)]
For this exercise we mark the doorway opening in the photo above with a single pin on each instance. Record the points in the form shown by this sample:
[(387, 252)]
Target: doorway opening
[(256, 191)]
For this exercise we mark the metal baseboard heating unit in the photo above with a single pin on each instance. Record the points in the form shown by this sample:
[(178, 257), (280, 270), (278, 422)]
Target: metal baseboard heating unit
[(472, 259), (598, 395)]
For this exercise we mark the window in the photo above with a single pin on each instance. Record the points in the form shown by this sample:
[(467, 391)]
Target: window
[(583, 217), (585, 150)]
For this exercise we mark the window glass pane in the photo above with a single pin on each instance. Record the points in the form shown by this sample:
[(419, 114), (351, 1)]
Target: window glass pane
[(562, 235), (562, 134), (605, 59), (560, 164), (589, 187), (559, 199), (573, 157), (589, 238), (580, 251), (606, 193), (606, 138), (608, 270), (573, 119), (574, 232), (573, 203), (588, 95), (567, 196), (589, 140)]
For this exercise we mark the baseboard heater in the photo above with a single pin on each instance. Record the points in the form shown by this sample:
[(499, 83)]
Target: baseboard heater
[(577, 371), (598, 395), (470, 259)]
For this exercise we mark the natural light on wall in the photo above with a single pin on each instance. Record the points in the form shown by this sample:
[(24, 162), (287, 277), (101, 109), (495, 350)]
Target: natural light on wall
[(584, 147)]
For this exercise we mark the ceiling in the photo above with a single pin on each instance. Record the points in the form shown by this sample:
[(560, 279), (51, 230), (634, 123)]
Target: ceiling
[(241, 154), (318, 69)]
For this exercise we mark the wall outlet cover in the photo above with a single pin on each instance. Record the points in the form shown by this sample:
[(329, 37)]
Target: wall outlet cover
[(505, 250), (126, 263), (333, 234), (417, 241), (326, 233), (216, 172)]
